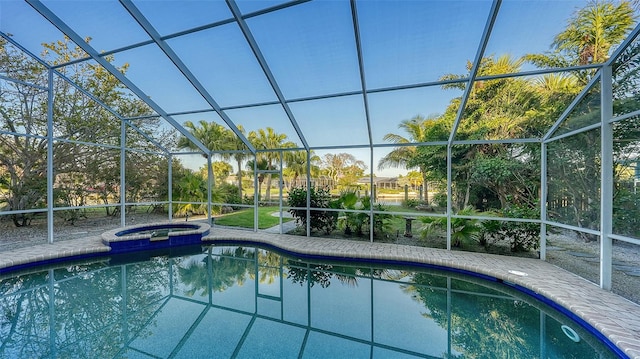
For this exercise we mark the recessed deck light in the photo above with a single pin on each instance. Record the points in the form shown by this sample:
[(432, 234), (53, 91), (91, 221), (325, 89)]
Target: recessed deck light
[(519, 273)]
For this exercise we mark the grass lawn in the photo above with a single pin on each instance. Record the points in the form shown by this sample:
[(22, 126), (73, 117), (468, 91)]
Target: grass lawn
[(244, 218)]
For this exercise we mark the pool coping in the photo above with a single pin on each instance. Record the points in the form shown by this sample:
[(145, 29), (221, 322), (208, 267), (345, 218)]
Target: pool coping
[(111, 236), (616, 318)]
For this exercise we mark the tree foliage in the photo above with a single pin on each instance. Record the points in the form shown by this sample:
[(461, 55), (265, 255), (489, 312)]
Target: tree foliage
[(343, 168), (81, 171), (321, 220)]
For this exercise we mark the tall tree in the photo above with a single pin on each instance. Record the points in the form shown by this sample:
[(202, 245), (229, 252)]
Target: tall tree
[(241, 154), (402, 156), (261, 164), (269, 139), (211, 134), (23, 113), (589, 37), (296, 165), (594, 30), (217, 138), (342, 165), (496, 109)]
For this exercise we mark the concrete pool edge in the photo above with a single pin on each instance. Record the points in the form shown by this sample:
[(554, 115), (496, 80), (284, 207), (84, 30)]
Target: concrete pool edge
[(617, 319)]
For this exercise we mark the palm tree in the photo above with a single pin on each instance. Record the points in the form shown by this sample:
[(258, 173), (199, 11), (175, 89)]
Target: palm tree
[(211, 134), (589, 37), (217, 138), (268, 139), (402, 155), (594, 30), (235, 143), (261, 165), (296, 162), (191, 188)]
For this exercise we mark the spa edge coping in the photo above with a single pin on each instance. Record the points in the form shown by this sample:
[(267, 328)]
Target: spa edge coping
[(112, 235)]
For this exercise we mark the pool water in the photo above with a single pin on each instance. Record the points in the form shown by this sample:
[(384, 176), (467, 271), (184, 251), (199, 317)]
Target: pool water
[(247, 302)]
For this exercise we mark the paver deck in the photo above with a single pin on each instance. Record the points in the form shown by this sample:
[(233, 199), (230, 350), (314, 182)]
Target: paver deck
[(615, 317)]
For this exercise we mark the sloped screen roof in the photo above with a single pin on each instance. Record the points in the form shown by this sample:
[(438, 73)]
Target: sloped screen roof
[(325, 73)]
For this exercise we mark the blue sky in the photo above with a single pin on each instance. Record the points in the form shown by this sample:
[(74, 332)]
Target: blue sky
[(309, 49)]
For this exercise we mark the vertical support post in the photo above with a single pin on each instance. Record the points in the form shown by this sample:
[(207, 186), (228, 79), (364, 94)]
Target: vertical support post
[(371, 197), (606, 177), (50, 176), (170, 185), (543, 201), (123, 163), (308, 193), (449, 196), (209, 187), (256, 194)]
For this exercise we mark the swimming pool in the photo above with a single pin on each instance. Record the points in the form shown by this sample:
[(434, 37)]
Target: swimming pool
[(247, 302)]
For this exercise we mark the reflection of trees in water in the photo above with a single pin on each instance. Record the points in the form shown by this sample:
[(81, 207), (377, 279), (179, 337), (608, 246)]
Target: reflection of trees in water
[(89, 309), (301, 273), (482, 326), (270, 264), (312, 273), (194, 274), (231, 267), (95, 316), (24, 317)]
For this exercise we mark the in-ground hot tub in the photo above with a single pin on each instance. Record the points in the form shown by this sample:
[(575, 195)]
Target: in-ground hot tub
[(154, 236)]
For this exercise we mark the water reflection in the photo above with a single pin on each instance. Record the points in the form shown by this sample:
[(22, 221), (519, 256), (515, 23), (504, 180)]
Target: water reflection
[(248, 302)]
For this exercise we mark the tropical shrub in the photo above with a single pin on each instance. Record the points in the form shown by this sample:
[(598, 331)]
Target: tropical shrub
[(521, 236), (325, 221), (411, 203), (463, 230), (381, 222), (230, 193), (440, 199), (357, 222)]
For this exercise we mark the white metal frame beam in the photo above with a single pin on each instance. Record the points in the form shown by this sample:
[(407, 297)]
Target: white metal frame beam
[(363, 85), (606, 177), (491, 19), (484, 40), (240, 20), (175, 59), (78, 40)]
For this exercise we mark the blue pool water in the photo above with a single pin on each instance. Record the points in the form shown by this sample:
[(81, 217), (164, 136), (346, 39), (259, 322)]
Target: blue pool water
[(247, 302)]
